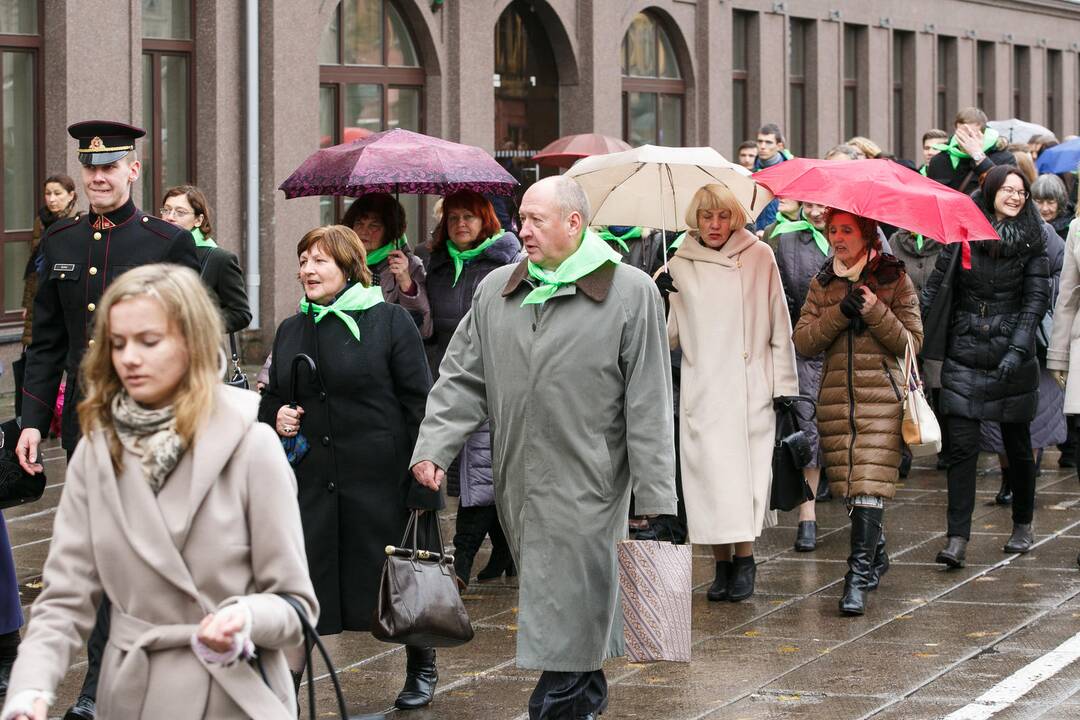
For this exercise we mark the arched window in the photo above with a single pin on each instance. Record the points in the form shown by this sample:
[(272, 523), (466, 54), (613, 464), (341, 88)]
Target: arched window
[(653, 88), (370, 79)]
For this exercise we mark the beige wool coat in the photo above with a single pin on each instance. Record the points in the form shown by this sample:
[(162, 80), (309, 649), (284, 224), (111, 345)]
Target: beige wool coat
[(731, 320), (224, 528), (1065, 336)]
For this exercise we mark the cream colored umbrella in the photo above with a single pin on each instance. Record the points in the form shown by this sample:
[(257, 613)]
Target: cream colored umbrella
[(651, 186)]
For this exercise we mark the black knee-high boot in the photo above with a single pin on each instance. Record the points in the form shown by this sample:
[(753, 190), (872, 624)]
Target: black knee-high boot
[(421, 677), (865, 534)]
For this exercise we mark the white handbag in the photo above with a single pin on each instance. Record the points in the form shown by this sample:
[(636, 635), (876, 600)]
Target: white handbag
[(920, 428)]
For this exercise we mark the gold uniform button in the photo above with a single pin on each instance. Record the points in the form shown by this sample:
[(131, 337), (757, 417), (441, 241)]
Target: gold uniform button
[(91, 307), (91, 342), (97, 236), (146, 219), (63, 275), (93, 271)]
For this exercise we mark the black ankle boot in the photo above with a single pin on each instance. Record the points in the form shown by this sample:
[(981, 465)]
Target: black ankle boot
[(719, 589), (865, 536), (421, 677), (806, 537), (743, 572), (1021, 540), (501, 561), (881, 564), (953, 552), (1004, 496)]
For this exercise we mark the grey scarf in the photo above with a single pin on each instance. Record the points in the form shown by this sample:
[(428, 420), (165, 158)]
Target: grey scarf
[(150, 434)]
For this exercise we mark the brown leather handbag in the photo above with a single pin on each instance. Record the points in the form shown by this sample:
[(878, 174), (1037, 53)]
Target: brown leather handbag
[(418, 602)]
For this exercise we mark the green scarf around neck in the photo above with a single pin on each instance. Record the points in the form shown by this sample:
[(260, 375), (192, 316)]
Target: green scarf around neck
[(201, 240), (460, 257), (678, 241), (632, 234), (956, 153), (377, 255), (786, 226), (590, 255), (354, 299)]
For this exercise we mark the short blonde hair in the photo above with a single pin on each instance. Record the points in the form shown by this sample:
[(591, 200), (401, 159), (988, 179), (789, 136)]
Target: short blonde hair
[(188, 305), (715, 197), (866, 146)]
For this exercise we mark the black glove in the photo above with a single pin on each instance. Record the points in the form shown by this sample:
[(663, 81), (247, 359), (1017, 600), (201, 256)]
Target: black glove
[(664, 528), (665, 284), (852, 304), (1010, 363)]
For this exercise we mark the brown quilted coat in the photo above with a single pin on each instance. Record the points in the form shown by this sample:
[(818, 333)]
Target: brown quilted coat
[(859, 409)]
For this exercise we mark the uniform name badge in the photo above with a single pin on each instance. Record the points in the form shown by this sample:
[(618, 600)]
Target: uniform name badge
[(63, 267)]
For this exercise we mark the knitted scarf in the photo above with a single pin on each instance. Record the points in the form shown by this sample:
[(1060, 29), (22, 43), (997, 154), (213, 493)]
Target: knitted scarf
[(150, 434)]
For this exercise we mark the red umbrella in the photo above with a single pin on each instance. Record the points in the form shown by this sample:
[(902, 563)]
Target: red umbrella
[(884, 191), (565, 151), (398, 161)]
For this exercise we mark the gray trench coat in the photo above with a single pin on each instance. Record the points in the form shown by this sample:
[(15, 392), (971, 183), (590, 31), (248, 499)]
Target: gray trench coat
[(579, 395)]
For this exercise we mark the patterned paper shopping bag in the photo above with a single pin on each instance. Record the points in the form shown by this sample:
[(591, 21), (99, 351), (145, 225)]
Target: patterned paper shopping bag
[(654, 578)]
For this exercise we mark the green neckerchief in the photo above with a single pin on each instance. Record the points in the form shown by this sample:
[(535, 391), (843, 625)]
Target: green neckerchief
[(591, 254), (460, 257), (677, 242), (786, 226), (922, 170), (956, 153), (919, 240), (377, 255), (201, 240), (620, 240), (354, 299)]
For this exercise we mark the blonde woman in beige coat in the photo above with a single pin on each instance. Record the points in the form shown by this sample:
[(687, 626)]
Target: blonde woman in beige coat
[(181, 508), (729, 316)]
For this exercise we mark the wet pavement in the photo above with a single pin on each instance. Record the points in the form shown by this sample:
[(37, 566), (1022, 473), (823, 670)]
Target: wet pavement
[(932, 642)]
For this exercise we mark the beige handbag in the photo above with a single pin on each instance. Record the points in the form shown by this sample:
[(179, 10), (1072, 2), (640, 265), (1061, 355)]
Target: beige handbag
[(920, 428)]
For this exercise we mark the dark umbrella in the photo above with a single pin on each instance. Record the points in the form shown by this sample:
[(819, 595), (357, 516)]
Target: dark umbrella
[(398, 161), (567, 150), (297, 446)]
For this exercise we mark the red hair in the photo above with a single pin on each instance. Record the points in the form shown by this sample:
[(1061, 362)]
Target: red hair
[(475, 203)]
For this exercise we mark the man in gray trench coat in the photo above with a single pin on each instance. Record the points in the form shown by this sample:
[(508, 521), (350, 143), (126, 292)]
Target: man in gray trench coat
[(578, 390)]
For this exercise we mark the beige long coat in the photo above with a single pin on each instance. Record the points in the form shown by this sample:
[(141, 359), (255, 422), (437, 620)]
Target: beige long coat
[(225, 526), (731, 320), (1065, 337)]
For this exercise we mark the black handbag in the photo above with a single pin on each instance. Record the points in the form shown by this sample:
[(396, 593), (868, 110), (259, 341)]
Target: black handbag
[(16, 485), (238, 378), (419, 603), (791, 453)]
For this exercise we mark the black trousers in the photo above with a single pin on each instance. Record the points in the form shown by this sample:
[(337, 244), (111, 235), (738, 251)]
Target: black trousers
[(473, 524), (95, 648), (568, 695), (963, 462)]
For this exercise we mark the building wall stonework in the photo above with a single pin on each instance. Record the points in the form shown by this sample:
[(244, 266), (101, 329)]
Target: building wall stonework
[(87, 78)]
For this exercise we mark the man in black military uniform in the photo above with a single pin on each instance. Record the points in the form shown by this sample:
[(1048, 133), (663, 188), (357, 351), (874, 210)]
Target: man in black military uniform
[(82, 256)]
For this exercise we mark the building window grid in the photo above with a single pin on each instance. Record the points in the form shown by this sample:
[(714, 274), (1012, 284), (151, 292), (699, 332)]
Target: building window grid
[(1021, 72), (945, 95), (164, 164), (798, 37), (20, 53), (852, 50), (396, 83), (1053, 90), (741, 29), (984, 74), (652, 85)]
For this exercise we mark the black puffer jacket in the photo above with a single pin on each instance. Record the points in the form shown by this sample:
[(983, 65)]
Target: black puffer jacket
[(997, 305)]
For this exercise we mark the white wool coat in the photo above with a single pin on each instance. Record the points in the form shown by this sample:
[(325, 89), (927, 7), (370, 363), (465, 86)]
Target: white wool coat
[(731, 321)]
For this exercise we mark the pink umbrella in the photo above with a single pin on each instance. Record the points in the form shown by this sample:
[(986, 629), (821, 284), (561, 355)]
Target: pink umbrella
[(565, 151), (398, 161)]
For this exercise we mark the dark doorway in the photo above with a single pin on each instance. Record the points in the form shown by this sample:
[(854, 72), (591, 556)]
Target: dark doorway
[(526, 90)]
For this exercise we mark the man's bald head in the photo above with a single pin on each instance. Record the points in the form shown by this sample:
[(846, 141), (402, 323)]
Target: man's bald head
[(554, 213)]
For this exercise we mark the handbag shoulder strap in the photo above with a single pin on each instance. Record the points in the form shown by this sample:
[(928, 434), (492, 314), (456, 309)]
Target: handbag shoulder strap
[(790, 401), (311, 639)]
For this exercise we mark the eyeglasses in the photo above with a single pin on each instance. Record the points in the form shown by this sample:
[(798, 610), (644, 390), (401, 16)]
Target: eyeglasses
[(1022, 194), (175, 212)]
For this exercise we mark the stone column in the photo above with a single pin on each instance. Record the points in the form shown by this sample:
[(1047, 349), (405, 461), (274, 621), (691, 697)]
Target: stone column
[(878, 123), (824, 90)]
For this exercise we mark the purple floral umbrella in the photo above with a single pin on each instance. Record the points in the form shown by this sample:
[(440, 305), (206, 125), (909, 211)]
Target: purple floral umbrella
[(398, 161)]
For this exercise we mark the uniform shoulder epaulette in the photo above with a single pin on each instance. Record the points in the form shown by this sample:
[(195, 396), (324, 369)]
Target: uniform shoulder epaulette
[(66, 224), (161, 227)]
